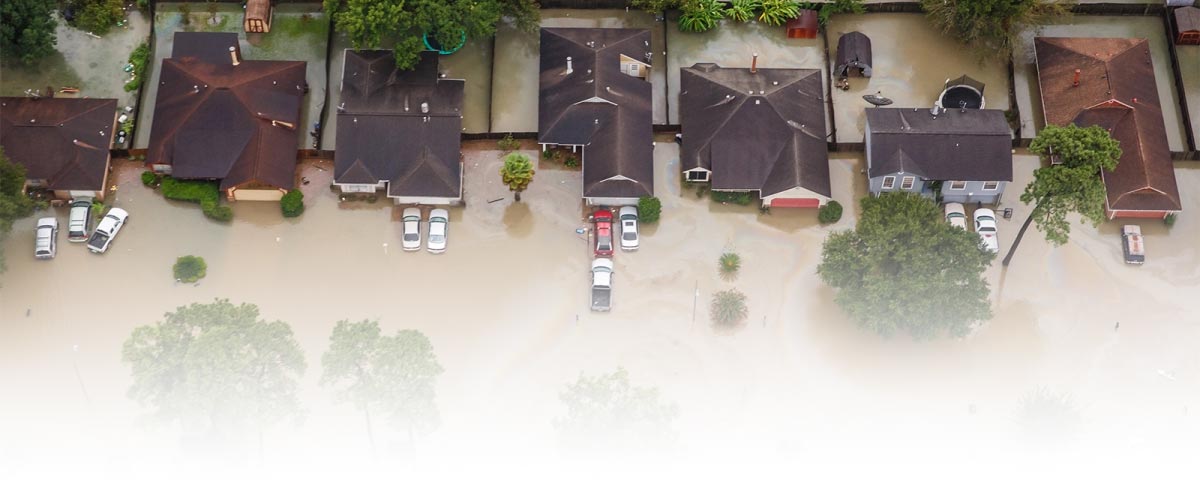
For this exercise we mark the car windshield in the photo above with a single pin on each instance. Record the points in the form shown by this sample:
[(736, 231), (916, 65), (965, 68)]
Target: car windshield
[(958, 215)]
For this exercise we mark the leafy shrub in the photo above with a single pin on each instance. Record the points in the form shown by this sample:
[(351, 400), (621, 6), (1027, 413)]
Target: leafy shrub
[(548, 154), (215, 211), (206, 193), (700, 15), (778, 12), (571, 162), (188, 269), (728, 307), (830, 212), (649, 209), (292, 203), (508, 143), (139, 58), (149, 178), (729, 264), (741, 10), (98, 16), (1169, 220), (739, 198)]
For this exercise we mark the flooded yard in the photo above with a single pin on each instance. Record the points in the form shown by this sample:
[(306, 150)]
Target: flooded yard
[(299, 32), (1150, 28), (515, 84)]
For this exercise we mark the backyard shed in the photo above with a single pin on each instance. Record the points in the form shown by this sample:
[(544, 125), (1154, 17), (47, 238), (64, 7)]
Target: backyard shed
[(258, 16), (803, 27), (854, 55), (1187, 25)]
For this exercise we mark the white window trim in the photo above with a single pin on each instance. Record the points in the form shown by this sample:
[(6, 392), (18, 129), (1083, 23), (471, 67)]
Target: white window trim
[(889, 182), (991, 185), (907, 183), (958, 185)]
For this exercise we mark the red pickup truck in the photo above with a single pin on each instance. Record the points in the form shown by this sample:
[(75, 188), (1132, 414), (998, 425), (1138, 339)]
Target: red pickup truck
[(603, 220)]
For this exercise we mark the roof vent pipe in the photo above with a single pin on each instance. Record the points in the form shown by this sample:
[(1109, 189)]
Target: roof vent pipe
[(754, 63), (569, 68), (424, 107), (233, 56)]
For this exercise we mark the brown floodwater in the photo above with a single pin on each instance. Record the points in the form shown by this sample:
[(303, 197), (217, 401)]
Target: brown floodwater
[(507, 311)]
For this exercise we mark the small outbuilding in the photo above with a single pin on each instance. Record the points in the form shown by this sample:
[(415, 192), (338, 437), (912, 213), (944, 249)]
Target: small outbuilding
[(258, 16), (1187, 25), (854, 55), (805, 26)]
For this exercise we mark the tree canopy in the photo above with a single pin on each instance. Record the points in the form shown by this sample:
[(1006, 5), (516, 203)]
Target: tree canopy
[(393, 375), (216, 367), (400, 24), (991, 25), (14, 204), (27, 29), (517, 173), (608, 412), (904, 269)]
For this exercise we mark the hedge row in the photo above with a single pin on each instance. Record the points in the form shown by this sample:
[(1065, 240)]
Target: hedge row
[(207, 194)]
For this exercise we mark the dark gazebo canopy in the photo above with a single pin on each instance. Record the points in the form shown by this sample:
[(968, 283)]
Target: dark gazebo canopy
[(854, 53)]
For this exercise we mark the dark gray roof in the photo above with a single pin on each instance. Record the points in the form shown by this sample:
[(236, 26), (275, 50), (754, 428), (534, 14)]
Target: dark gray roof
[(382, 133), (63, 141), (599, 107), (957, 144), (756, 131), (209, 47)]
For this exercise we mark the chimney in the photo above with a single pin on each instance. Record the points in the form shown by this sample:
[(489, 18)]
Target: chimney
[(233, 56), (569, 69), (424, 107), (1076, 82), (754, 63)]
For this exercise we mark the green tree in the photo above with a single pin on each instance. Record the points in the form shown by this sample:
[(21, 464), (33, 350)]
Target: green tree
[(393, 375), (292, 203), (27, 29), (216, 368), (649, 209), (654, 6), (1074, 185), (992, 26), (99, 16), (608, 412), (700, 15), (189, 269), (729, 265), (14, 204), (903, 268), (728, 307), (517, 173), (778, 12), (741, 10)]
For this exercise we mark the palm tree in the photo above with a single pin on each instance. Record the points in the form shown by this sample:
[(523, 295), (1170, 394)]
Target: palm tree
[(517, 173), (729, 307), (730, 264)]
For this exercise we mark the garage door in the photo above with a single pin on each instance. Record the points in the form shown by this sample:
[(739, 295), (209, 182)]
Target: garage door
[(257, 194), (797, 203), (1139, 214)]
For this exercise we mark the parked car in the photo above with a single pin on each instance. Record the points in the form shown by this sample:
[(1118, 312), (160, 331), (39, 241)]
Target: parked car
[(956, 215), (107, 230), (1132, 244), (603, 220), (79, 220), (602, 275), (439, 223), (45, 240), (985, 225), (629, 228), (411, 240)]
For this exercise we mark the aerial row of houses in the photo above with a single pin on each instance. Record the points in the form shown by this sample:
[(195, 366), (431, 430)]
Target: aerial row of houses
[(220, 117)]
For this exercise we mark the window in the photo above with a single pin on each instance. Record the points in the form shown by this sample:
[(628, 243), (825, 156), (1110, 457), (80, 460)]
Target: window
[(359, 188), (889, 183), (697, 176), (991, 185), (958, 185), (908, 182)]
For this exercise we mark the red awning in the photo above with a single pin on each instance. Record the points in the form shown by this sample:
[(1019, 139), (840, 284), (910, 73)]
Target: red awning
[(797, 203)]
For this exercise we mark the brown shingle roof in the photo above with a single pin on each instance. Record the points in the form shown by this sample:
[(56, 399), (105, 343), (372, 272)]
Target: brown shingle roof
[(1116, 91), (1187, 19), (214, 120), (62, 141), (760, 131), (958, 144)]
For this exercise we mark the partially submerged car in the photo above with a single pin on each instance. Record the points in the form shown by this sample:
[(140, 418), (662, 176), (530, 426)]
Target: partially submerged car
[(1133, 245), (603, 221), (956, 215), (629, 228), (45, 239), (79, 220), (439, 222), (985, 225), (411, 238), (107, 230)]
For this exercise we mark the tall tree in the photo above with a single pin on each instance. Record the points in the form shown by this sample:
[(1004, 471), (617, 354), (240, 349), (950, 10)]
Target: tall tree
[(992, 25), (99, 16), (27, 29), (1074, 185), (608, 412), (517, 173), (903, 268), (14, 204), (400, 24), (392, 375), (216, 368)]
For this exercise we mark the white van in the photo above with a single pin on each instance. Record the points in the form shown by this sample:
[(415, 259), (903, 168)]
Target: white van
[(79, 221), (45, 240)]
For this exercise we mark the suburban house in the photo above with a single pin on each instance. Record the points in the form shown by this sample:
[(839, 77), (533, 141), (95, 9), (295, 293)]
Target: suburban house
[(63, 143), (399, 130), (595, 98), (755, 130), (1110, 83), (965, 154), (220, 117)]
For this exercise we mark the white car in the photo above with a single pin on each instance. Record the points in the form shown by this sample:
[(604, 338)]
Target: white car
[(79, 220), (439, 224), (411, 240), (45, 240), (956, 215), (985, 225), (107, 230), (629, 228)]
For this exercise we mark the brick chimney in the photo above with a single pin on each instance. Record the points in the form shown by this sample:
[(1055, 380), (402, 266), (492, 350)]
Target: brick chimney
[(754, 63), (233, 55)]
